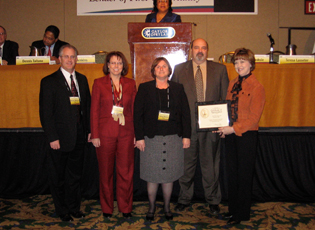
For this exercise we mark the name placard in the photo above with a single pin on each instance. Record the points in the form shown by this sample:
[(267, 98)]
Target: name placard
[(86, 59), (29, 60), (292, 59), (0, 60), (262, 58)]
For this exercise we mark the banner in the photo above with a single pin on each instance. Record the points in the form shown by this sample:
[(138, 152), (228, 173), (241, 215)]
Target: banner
[(143, 7)]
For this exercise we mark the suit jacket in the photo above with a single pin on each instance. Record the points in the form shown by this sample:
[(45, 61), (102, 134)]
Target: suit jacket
[(40, 45), (102, 122), (57, 115), (10, 51), (216, 88), (169, 17), (147, 110)]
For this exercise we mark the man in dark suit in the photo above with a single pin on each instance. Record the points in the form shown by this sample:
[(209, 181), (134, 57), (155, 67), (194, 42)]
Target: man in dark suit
[(8, 49), (50, 44), (205, 145), (65, 116)]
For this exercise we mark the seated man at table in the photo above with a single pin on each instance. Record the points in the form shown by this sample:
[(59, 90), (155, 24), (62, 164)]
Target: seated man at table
[(8, 49), (50, 44)]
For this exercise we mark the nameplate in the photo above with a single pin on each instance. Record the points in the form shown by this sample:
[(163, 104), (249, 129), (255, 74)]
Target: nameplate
[(86, 59), (296, 59), (0, 60), (158, 32), (28, 60), (262, 58)]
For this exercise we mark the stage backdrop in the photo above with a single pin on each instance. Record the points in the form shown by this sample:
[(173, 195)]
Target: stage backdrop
[(138, 7)]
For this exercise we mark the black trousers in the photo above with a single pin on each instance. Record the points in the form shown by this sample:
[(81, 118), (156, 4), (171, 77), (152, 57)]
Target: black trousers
[(65, 171), (240, 158)]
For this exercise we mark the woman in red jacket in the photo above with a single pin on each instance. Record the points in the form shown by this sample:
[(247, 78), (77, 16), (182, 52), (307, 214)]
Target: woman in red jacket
[(247, 98), (112, 133)]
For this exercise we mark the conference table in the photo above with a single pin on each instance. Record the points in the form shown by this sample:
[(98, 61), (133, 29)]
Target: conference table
[(285, 163)]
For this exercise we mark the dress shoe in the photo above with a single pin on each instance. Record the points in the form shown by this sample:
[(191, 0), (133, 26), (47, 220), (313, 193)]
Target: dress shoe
[(227, 215), (127, 215), (180, 207), (214, 209), (149, 216), (168, 216), (107, 215), (77, 214), (66, 217), (233, 221)]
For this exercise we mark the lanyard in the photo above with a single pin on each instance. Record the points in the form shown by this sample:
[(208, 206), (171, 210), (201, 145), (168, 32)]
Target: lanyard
[(168, 98), (113, 91)]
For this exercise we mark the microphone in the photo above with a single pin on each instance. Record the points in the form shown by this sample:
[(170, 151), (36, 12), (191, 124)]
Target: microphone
[(271, 39)]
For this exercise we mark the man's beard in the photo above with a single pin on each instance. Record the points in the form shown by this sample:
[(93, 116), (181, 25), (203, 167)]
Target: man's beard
[(200, 56)]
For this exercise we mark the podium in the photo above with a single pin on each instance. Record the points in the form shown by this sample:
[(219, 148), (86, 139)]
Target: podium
[(148, 41)]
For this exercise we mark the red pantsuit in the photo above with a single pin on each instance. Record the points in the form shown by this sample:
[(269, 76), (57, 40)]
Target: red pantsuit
[(117, 143)]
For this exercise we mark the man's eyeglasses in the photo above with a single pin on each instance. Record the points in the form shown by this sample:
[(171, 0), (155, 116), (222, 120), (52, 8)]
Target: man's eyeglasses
[(67, 57)]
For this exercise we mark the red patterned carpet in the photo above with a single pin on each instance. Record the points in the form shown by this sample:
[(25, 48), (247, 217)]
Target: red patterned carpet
[(37, 212)]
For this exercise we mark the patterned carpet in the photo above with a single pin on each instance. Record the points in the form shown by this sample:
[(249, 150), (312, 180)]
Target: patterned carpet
[(37, 212)]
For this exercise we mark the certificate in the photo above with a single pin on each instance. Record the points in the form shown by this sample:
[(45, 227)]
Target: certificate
[(212, 115)]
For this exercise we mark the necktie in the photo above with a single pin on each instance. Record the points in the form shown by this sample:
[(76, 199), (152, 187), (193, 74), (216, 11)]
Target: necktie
[(49, 52), (75, 94), (73, 88), (0, 52), (199, 85)]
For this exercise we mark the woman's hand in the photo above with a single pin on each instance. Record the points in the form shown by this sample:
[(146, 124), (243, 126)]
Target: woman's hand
[(96, 142), (222, 131), (186, 143), (140, 145)]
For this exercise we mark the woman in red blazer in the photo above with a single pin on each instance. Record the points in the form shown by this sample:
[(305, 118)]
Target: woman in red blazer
[(112, 133)]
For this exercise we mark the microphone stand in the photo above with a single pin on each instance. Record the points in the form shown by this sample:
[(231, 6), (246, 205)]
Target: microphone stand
[(271, 52)]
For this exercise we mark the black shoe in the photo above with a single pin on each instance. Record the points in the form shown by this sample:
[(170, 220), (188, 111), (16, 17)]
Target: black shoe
[(227, 215), (107, 215), (233, 221), (214, 209), (180, 207), (66, 217), (127, 215), (168, 216), (77, 214), (149, 216)]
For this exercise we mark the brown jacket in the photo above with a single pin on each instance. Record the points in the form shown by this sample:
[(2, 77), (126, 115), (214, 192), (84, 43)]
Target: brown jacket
[(250, 104)]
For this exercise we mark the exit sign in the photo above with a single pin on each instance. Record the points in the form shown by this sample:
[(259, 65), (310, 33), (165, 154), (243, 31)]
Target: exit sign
[(309, 7)]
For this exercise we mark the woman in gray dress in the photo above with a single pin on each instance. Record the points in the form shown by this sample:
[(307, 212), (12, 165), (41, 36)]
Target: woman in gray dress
[(162, 129)]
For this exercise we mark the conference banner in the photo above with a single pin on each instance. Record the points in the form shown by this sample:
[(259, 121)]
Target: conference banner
[(143, 7)]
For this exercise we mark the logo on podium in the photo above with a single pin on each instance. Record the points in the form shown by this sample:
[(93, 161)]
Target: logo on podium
[(158, 32)]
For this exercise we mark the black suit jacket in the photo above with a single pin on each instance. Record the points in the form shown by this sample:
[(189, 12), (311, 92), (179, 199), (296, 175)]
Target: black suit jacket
[(146, 110), (40, 45), (57, 115), (169, 17), (10, 51)]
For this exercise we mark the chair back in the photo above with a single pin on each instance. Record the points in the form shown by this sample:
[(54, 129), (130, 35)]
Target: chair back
[(227, 57)]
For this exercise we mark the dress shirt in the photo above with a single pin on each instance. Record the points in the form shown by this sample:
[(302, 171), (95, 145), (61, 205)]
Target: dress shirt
[(51, 49), (67, 75), (1, 49)]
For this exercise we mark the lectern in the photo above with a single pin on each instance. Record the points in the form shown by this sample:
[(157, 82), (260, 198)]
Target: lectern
[(148, 41)]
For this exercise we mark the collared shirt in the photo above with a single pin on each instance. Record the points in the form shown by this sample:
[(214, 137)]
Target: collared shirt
[(203, 68), (66, 74), (51, 49), (1, 49)]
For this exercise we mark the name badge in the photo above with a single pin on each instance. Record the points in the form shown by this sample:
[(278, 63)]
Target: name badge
[(117, 110), (75, 100), (163, 116)]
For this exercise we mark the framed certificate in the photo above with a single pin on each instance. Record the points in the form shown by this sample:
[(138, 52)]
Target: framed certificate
[(213, 114)]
